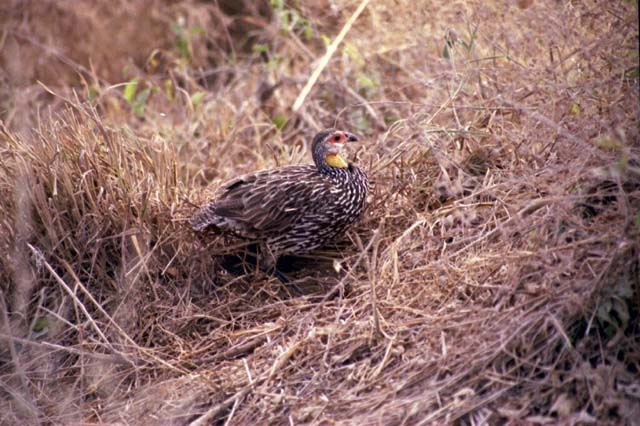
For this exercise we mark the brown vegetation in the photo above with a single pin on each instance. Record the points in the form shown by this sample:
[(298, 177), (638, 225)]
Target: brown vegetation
[(493, 280)]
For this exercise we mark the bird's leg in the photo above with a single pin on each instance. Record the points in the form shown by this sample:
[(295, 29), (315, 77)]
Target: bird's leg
[(268, 263)]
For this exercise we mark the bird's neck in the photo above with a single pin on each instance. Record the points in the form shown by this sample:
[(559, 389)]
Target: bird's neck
[(336, 161), (332, 165), (329, 163)]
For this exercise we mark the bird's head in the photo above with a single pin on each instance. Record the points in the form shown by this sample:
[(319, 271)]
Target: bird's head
[(327, 146)]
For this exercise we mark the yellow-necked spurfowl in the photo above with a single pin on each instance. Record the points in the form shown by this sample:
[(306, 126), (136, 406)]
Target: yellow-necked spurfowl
[(292, 209)]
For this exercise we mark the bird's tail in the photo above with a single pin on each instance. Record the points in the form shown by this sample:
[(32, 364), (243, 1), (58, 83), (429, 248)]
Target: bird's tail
[(204, 218)]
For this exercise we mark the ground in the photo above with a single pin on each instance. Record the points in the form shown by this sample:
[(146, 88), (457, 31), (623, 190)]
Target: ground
[(493, 280)]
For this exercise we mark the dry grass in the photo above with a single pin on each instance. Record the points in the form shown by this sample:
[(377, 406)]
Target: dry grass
[(493, 280)]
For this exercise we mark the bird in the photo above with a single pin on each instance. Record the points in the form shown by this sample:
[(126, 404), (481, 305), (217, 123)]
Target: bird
[(294, 209)]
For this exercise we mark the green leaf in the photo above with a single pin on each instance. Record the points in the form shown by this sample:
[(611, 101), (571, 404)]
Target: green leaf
[(307, 33), (273, 63), (183, 46), (130, 90), (325, 39), (390, 119), (40, 324), (93, 93), (141, 102), (365, 82), (575, 108), (260, 48), (352, 51), (196, 99), (608, 142), (168, 88), (445, 52), (194, 31), (279, 121), (285, 19)]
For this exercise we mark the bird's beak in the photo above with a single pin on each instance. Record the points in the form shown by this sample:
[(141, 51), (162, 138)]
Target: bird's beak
[(351, 137)]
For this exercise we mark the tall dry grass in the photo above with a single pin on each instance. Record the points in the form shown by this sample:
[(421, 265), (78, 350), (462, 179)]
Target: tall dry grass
[(494, 278)]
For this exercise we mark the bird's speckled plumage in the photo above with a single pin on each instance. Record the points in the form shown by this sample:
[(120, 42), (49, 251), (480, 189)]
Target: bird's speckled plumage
[(292, 209)]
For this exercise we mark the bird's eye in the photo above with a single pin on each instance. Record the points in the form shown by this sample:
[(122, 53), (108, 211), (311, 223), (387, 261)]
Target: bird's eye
[(336, 138)]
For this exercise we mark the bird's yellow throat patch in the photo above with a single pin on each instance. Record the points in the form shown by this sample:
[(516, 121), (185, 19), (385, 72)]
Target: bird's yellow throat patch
[(335, 160)]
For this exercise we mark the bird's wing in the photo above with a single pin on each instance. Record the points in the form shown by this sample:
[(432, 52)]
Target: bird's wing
[(268, 201)]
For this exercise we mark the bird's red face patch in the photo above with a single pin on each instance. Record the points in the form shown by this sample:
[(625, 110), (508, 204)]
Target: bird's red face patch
[(337, 137), (335, 142)]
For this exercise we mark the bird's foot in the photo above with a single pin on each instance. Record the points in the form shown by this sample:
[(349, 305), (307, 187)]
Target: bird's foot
[(284, 279), (287, 281)]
